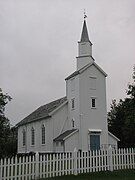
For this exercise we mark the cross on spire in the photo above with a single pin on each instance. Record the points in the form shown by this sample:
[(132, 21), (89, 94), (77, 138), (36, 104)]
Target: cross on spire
[(85, 16)]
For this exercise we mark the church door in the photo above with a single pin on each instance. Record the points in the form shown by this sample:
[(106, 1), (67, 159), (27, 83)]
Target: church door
[(94, 142)]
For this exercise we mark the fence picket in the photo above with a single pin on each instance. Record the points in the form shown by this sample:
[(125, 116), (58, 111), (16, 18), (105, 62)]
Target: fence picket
[(66, 172), (5, 167), (8, 168), (133, 158), (130, 159), (12, 165), (53, 165), (87, 162), (57, 164), (50, 164)]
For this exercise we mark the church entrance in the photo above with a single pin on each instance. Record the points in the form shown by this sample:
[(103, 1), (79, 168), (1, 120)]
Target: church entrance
[(94, 142)]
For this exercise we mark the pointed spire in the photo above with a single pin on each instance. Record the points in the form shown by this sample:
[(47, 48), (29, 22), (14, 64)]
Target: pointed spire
[(84, 36)]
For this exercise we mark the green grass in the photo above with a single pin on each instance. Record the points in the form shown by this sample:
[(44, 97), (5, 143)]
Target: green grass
[(115, 175)]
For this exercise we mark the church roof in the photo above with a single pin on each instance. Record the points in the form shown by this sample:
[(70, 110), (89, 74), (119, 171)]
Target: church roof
[(84, 68), (84, 35), (43, 111), (65, 135)]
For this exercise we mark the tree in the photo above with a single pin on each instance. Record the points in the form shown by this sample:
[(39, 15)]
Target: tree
[(121, 118), (7, 140)]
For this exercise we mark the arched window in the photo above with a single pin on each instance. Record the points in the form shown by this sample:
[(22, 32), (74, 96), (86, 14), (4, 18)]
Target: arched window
[(32, 136), (24, 137), (43, 134)]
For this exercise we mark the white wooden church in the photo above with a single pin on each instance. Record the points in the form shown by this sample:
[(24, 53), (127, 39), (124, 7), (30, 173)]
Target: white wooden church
[(78, 120)]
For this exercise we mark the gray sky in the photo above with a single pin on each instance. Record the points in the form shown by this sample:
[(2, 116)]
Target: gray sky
[(38, 48)]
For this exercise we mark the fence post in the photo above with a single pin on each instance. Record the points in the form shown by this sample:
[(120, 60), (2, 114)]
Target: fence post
[(75, 161), (110, 158), (37, 165)]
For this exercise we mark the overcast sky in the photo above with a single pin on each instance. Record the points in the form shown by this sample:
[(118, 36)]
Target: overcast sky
[(38, 48)]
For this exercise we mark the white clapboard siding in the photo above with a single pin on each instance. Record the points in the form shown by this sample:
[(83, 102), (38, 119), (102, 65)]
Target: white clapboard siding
[(58, 164)]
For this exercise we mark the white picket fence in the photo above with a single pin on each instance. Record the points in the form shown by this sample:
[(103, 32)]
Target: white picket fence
[(58, 164)]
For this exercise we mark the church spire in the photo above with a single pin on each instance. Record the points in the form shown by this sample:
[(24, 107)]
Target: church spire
[(84, 36)]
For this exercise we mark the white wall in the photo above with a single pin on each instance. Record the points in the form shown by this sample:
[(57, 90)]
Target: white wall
[(53, 128), (85, 117), (84, 49), (112, 141), (72, 142), (59, 147), (93, 118), (83, 61)]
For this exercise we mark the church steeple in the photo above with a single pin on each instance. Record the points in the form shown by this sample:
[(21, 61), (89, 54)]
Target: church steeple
[(84, 36), (84, 48)]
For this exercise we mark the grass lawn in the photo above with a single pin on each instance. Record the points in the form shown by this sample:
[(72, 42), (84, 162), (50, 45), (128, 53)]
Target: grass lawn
[(115, 175)]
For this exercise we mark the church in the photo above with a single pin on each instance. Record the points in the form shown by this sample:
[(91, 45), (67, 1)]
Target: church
[(78, 120)]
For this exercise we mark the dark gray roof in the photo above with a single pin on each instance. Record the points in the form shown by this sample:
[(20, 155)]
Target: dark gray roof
[(42, 111), (72, 75), (62, 136), (85, 36)]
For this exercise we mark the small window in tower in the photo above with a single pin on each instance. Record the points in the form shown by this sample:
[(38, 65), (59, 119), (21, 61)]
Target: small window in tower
[(73, 103), (93, 102), (93, 83), (73, 123)]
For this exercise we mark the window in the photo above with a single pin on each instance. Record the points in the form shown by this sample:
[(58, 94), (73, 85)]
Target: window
[(93, 83), (73, 123), (32, 136), (93, 102), (43, 134), (72, 103), (24, 137)]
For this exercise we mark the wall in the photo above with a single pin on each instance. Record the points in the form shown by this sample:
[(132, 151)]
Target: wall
[(112, 141), (95, 118), (85, 117), (53, 127), (72, 142)]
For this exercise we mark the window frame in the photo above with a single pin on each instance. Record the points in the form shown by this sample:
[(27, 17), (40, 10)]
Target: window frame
[(95, 102), (32, 136), (43, 139), (73, 103), (73, 123), (24, 137)]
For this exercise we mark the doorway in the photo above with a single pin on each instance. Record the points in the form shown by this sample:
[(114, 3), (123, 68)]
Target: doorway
[(94, 142)]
